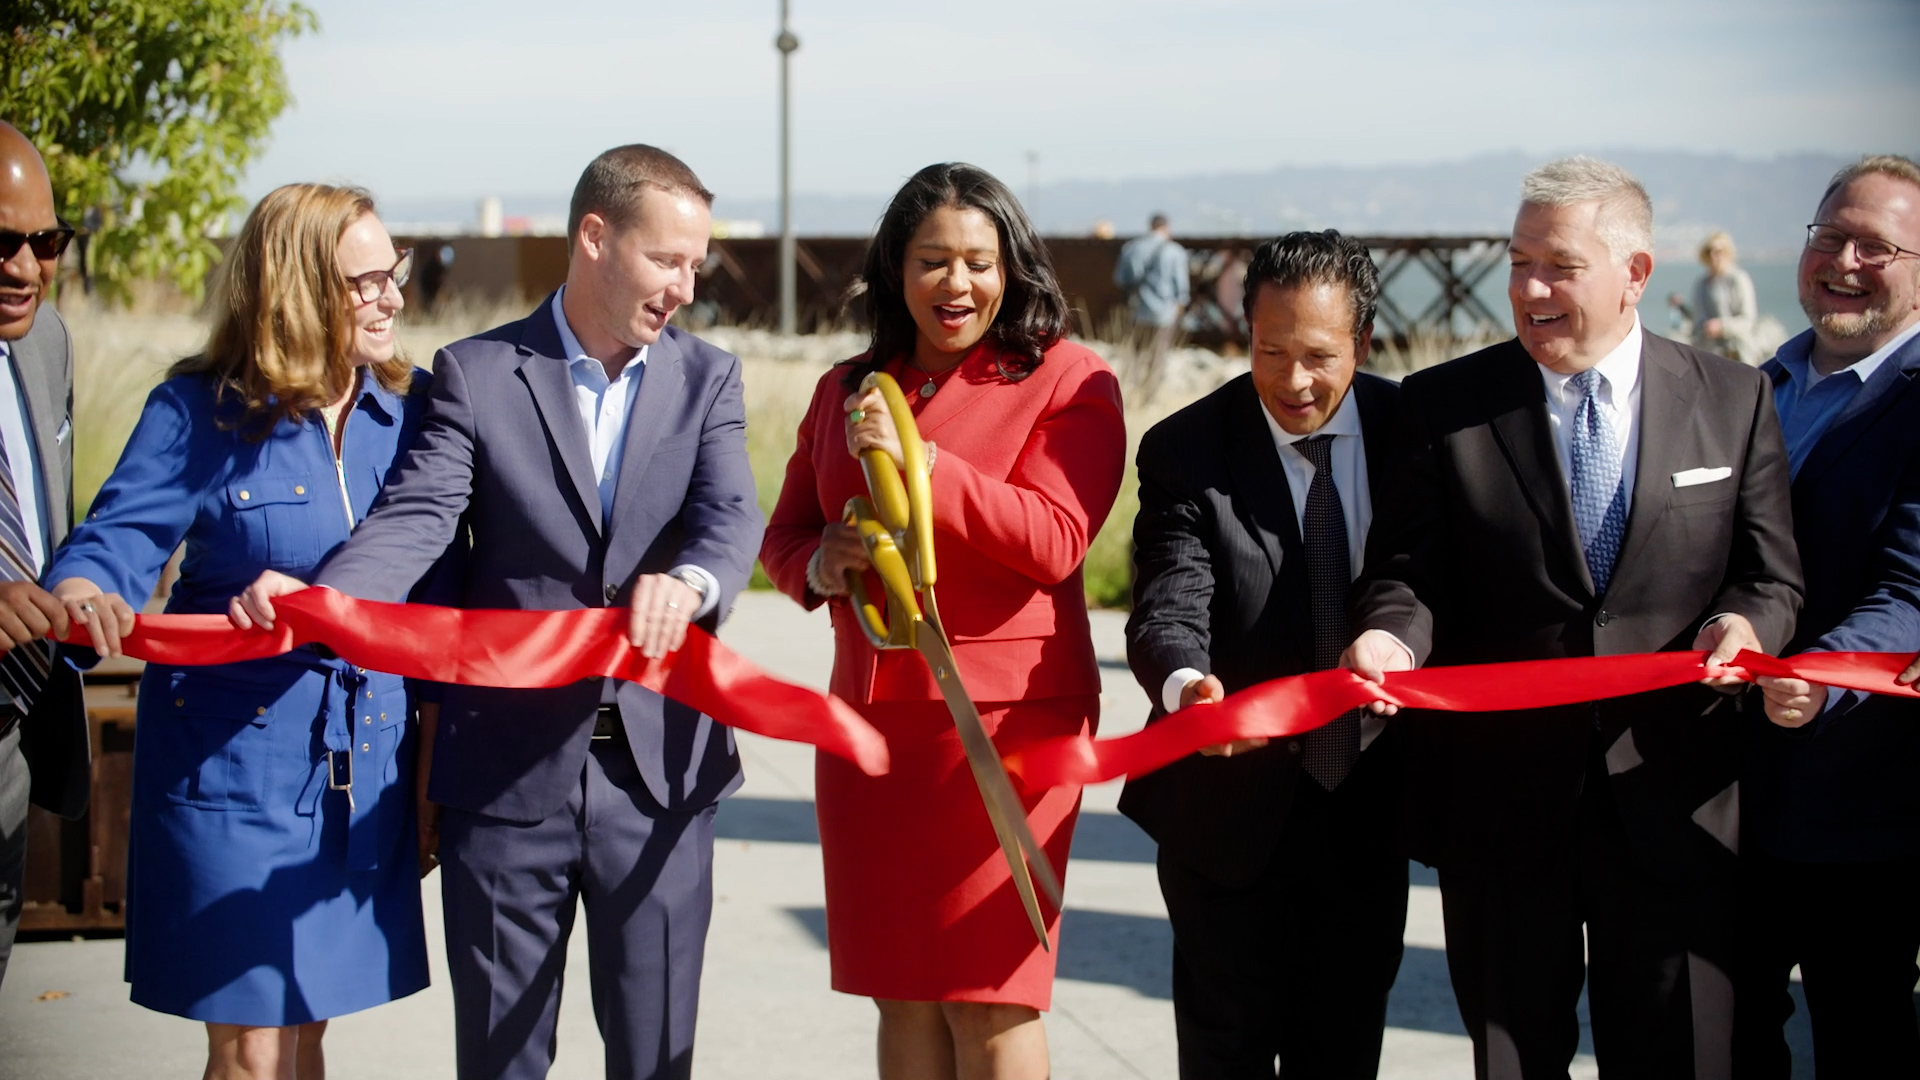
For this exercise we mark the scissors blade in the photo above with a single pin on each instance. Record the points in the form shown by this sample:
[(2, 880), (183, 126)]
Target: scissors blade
[(1004, 809)]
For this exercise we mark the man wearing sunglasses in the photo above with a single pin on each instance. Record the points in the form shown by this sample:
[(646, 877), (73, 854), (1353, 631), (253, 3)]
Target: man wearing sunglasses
[(1832, 858), (43, 728)]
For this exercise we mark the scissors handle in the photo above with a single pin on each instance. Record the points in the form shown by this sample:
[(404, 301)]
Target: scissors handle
[(887, 561), (903, 498)]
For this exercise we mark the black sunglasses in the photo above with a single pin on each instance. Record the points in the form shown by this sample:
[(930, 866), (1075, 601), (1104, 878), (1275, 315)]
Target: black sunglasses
[(47, 244)]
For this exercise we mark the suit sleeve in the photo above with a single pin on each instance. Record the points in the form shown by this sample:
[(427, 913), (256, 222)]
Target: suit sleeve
[(1763, 579), (793, 532), (1888, 618), (1170, 626), (1403, 544), (721, 514), (145, 508), (1041, 518), (418, 513)]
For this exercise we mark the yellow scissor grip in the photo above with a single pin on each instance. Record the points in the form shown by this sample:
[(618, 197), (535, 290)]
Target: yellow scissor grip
[(884, 554), (910, 518)]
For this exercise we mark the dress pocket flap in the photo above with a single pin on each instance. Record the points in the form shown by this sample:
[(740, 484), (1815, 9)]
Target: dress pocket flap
[(268, 491)]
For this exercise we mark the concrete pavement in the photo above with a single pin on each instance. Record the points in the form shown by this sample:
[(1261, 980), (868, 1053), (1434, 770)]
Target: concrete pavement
[(766, 1011)]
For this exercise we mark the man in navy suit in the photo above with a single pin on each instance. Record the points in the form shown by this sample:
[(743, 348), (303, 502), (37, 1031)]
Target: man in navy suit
[(597, 457), (1833, 785)]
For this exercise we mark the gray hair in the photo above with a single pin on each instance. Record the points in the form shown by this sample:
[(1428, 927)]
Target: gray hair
[(1890, 165), (1625, 217)]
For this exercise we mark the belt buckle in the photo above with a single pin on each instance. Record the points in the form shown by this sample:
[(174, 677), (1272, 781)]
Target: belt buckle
[(340, 774), (606, 722)]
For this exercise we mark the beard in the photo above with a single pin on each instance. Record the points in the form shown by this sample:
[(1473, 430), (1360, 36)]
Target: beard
[(1850, 325)]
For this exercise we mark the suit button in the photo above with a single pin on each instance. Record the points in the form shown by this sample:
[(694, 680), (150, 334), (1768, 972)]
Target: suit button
[(612, 591), (1293, 746), (1604, 617)]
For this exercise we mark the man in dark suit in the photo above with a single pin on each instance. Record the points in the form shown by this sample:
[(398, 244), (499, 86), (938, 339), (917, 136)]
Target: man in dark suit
[(1588, 489), (43, 723), (1833, 792), (1284, 879), (597, 456)]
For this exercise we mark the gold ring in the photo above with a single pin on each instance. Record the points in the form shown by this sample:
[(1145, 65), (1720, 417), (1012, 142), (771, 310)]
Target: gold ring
[(856, 416)]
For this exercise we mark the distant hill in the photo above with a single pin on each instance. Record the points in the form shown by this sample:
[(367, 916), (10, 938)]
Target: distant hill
[(1763, 202)]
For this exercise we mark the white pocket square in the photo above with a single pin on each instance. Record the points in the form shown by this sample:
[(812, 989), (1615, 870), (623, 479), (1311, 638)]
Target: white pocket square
[(1701, 476), (66, 429)]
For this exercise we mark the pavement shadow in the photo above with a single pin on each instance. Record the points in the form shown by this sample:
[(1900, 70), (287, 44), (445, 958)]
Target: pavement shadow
[(782, 821)]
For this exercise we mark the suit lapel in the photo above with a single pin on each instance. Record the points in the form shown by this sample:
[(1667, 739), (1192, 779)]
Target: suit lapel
[(1526, 437), (1376, 429), (1265, 500), (976, 376), (660, 385), (36, 371), (544, 367), (1870, 402), (1668, 394)]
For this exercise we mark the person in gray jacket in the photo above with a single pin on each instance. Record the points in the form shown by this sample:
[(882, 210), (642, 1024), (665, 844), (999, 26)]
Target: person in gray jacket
[(1153, 272)]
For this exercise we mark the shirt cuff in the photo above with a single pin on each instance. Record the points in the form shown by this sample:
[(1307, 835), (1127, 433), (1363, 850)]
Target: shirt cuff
[(709, 592), (1412, 661), (1176, 682)]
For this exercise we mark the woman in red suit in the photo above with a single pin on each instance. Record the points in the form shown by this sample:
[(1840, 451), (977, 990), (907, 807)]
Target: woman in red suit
[(1027, 450)]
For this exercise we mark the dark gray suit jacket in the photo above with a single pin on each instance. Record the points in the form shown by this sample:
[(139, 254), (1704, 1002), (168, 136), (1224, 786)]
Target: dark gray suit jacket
[(53, 738), (1220, 585), (503, 454), (1474, 558)]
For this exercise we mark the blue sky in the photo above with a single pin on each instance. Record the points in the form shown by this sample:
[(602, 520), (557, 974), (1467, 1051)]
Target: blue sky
[(440, 99)]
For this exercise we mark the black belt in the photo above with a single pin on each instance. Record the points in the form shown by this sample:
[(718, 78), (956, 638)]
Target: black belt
[(606, 723)]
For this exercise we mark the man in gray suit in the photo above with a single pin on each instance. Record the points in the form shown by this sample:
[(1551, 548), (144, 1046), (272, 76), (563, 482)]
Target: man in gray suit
[(43, 725), (595, 456)]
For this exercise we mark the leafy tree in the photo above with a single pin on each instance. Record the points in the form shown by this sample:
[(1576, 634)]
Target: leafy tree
[(147, 112)]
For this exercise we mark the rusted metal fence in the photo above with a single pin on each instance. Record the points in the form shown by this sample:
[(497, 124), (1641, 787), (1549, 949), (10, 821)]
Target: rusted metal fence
[(1430, 283)]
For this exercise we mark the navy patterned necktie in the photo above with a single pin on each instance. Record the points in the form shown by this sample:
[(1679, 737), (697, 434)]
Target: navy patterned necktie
[(1599, 493), (1329, 752), (24, 670)]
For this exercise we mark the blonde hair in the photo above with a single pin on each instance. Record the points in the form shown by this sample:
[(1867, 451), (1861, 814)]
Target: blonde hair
[(1716, 239), (283, 321), (1625, 218), (1889, 165)]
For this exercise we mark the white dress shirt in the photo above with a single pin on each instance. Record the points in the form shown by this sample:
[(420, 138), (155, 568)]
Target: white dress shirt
[(605, 404), (23, 458), (1348, 462), (1620, 388)]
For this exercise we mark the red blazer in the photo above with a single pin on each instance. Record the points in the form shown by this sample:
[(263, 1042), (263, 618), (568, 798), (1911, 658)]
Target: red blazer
[(1024, 477)]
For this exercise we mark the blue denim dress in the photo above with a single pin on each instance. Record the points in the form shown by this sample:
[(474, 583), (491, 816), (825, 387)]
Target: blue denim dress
[(257, 893)]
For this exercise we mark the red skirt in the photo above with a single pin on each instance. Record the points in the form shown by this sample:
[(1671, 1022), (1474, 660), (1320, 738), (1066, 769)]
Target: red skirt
[(920, 904)]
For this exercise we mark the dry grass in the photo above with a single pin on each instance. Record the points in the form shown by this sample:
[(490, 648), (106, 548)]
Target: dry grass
[(121, 354)]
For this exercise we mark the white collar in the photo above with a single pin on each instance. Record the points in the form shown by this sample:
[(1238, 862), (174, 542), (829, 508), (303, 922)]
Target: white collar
[(575, 351), (1344, 421), (1620, 368)]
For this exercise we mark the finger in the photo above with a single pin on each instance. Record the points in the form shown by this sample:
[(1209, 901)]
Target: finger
[(1911, 675), (677, 633), (237, 614), (106, 631), (259, 605), (50, 610), (15, 630), (124, 612)]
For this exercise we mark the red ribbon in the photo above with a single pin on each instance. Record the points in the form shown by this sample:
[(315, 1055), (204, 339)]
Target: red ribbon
[(1300, 703), (521, 650)]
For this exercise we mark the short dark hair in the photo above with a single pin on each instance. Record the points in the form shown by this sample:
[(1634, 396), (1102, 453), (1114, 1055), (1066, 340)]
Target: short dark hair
[(1157, 221), (613, 183), (1033, 311), (1317, 258)]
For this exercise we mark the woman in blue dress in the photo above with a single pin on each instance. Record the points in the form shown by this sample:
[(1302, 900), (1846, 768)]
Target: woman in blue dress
[(272, 878)]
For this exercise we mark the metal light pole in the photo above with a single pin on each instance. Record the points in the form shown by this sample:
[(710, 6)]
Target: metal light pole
[(787, 44)]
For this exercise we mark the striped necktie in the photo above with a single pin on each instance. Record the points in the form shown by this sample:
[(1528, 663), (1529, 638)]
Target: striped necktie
[(23, 670)]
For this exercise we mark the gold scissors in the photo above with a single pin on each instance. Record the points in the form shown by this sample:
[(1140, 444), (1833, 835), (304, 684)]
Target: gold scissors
[(896, 528)]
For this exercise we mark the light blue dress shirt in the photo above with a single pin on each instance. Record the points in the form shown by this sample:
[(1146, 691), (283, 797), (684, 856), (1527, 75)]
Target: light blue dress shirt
[(1809, 402), (605, 404)]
